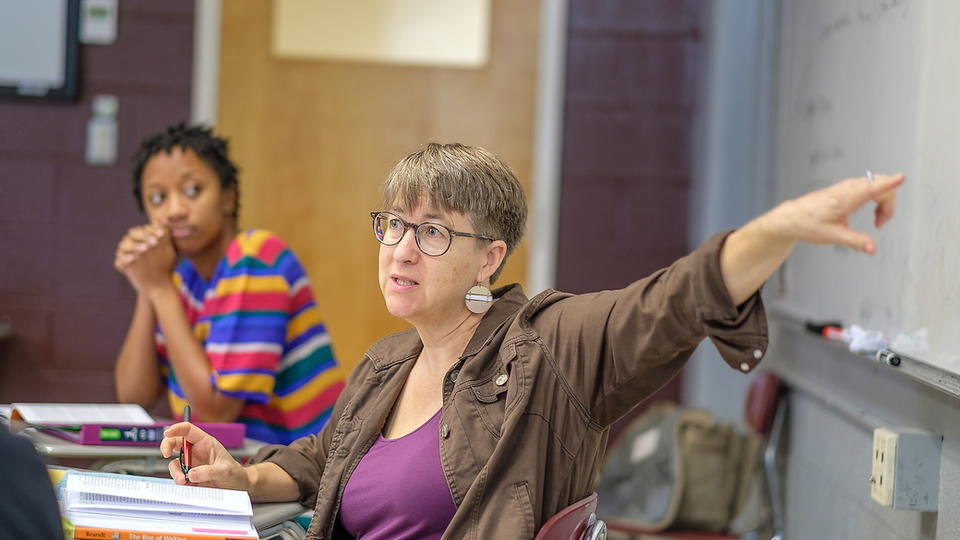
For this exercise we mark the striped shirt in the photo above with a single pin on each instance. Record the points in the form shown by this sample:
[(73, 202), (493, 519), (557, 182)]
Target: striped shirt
[(258, 323)]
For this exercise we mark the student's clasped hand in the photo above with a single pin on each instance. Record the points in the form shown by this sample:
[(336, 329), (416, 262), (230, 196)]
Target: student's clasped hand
[(822, 216), (212, 466), (146, 256)]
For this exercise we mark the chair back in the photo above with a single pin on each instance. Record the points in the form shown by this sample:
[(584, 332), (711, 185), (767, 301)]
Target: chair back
[(575, 522), (761, 404)]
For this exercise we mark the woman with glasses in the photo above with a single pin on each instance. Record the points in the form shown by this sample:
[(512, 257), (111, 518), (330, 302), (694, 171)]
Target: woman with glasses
[(235, 333), (491, 414)]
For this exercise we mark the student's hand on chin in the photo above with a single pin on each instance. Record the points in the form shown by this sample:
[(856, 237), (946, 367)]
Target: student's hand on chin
[(146, 256), (161, 254)]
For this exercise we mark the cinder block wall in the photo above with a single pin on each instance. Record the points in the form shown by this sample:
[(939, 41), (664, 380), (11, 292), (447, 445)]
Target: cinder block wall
[(61, 219)]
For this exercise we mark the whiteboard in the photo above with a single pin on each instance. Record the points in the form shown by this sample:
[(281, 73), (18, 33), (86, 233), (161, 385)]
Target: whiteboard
[(38, 48), (875, 84)]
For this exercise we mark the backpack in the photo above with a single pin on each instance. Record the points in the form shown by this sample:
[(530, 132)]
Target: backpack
[(681, 468)]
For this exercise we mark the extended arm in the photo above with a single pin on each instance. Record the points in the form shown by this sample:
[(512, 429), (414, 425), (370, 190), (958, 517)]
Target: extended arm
[(615, 348)]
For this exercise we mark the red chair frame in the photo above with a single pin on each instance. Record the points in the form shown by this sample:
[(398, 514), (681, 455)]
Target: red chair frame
[(575, 522)]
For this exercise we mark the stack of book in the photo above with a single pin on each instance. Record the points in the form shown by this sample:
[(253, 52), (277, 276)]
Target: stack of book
[(119, 507)]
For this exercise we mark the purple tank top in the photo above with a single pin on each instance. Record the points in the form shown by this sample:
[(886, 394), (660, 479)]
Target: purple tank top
[(398, 489)]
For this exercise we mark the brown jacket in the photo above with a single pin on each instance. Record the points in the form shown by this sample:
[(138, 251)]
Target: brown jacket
[(527, 407)]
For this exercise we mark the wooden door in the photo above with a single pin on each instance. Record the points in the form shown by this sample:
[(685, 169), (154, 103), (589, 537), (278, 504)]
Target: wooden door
[(314, 140)]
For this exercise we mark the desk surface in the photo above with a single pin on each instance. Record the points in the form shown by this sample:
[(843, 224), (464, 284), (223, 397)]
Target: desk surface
[(270, 514)]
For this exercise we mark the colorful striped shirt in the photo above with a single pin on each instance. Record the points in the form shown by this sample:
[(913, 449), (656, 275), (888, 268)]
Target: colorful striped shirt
[(258, 323)]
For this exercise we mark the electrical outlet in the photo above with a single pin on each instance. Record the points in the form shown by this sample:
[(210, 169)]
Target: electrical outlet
[(905, 470), (883, 472)]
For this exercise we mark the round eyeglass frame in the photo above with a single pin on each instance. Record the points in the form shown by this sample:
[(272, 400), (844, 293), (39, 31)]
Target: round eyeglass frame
[(416, 232)]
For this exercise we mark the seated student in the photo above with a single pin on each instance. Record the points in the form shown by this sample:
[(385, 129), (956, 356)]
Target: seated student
[(235, 333), (491, 414), (28, 508)]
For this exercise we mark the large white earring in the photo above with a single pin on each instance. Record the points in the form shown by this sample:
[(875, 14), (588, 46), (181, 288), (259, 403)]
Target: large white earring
[(478, 299)]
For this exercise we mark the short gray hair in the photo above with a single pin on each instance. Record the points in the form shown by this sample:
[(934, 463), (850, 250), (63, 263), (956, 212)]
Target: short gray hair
[(465, 179)]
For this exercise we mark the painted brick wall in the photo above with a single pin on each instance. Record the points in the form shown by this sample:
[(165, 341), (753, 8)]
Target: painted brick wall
[(633, 70), (632, 75), (61, 219)]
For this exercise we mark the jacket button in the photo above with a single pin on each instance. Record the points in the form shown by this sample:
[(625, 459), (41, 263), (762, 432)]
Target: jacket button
[(757, 353), (444, 431), (744, 366), (501, 379), (454, 374)]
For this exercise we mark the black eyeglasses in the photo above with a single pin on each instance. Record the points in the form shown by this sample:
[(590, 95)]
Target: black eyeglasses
[(433, 239)]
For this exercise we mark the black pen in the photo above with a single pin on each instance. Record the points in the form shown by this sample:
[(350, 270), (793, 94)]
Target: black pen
[(186, 460)]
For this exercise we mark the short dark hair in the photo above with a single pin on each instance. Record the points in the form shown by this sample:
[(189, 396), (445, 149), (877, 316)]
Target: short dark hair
[(465, 179), (208, 147)]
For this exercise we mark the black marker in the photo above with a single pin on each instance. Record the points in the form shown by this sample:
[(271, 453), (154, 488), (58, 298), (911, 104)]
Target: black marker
[(886, 356)]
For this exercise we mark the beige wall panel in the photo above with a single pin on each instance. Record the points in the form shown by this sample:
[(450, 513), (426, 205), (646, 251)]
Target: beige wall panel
[(314, 140), (452, 33)]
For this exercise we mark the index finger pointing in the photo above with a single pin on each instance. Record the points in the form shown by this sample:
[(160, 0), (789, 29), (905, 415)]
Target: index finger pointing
[(884, 193)]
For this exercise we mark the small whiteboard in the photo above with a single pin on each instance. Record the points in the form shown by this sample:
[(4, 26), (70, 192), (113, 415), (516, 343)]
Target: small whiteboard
[(38, 48)]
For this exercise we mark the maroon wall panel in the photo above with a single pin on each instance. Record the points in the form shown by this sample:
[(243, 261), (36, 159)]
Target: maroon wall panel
[(633, 69), (60, 219)]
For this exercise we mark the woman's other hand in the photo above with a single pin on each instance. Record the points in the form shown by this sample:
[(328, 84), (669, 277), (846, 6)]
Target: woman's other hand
[(212, 466), (146, 256)]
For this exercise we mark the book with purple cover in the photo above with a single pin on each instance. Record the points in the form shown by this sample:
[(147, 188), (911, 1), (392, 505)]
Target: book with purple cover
[(112, 424), (230, 434)]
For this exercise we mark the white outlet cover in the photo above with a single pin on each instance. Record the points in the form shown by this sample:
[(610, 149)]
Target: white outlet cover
[(882, 470)]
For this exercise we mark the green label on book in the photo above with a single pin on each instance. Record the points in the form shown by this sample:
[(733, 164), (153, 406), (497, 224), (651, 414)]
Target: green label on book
[(109, 434)]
